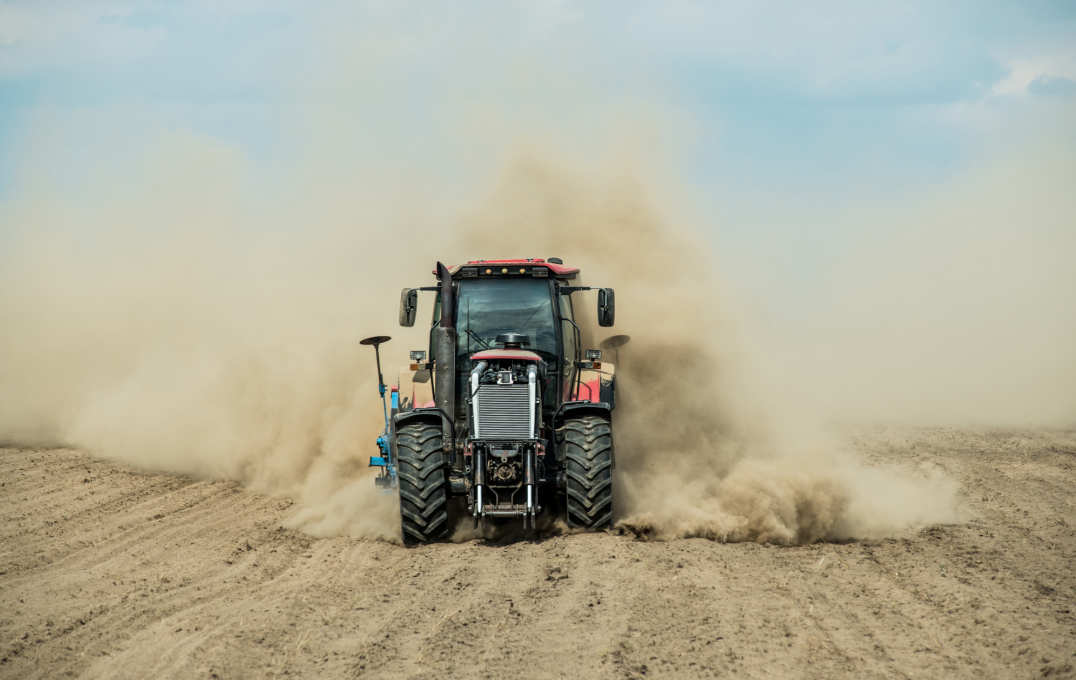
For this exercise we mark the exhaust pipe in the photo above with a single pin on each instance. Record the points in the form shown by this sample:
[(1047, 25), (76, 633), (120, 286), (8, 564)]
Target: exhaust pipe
[(444, 344)]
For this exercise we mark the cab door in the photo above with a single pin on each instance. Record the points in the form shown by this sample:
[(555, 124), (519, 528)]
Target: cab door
[(570, 345)]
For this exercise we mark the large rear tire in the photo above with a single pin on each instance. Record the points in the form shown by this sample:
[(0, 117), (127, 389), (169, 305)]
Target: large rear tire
[(420, 468), (587, 443)]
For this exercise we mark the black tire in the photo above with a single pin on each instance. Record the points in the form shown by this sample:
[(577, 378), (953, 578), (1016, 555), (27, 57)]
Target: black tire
[(420, 468), (587, 444)]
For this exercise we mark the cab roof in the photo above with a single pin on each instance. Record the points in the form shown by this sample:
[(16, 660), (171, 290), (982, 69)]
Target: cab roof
[(531, 266)]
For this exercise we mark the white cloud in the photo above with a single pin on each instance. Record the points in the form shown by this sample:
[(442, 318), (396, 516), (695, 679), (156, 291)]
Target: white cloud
[(1023, 72)]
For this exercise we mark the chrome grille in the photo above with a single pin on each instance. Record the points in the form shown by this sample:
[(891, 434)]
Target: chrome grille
[(503, 412)]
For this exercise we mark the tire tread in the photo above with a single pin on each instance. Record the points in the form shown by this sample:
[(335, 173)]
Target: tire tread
[(587, 443), (420, 471)]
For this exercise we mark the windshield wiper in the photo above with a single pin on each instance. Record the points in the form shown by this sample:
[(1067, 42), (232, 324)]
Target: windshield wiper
[(485, 345)]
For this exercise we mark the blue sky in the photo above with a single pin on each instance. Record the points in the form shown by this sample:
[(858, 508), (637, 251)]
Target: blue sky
[(802, 97)]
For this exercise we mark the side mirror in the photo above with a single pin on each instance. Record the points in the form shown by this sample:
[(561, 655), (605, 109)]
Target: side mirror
[(408, 306), (606, 306)]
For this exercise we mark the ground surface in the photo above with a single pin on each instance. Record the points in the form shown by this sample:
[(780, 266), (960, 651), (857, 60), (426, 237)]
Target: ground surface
[(106, 572)]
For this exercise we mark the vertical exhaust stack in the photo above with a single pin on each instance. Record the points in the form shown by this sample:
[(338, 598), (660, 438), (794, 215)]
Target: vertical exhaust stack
[(444, 344)]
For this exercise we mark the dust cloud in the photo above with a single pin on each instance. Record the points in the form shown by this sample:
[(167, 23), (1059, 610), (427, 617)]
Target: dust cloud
[(184, 324), (179, 325), (702, 451), (174, 335), (954, 305)]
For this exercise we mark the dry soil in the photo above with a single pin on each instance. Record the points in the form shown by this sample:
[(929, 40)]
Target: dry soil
[(110, 572)]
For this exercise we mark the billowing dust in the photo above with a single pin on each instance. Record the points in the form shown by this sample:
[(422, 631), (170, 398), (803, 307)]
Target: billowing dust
[(175, 327), (701, 450)]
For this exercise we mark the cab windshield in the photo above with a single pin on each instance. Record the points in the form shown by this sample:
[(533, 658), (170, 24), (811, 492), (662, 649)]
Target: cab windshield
[(486, 308)]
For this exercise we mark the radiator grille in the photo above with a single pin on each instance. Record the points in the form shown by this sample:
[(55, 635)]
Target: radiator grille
[(503, 412)]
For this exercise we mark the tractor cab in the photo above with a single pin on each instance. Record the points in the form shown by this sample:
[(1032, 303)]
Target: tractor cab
[(527, 307)]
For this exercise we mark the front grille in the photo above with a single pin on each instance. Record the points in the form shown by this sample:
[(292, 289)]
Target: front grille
[(503, 412)]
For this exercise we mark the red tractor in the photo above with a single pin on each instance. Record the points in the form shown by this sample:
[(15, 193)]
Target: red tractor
[(507, 415)]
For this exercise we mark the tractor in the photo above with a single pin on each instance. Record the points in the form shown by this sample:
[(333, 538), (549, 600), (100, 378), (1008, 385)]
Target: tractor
[(504, 417)]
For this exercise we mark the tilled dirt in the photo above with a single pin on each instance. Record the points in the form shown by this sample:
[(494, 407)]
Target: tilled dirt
[(109, 572)]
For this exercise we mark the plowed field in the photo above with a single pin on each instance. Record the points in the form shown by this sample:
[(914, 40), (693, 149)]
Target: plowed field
[(113, 573)]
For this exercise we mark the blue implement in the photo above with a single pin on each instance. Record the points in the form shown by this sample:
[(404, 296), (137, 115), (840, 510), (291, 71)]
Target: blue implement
[(387, 478)]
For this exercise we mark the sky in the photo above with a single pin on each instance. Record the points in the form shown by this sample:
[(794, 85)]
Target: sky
[(802, 97), (810, 142)]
